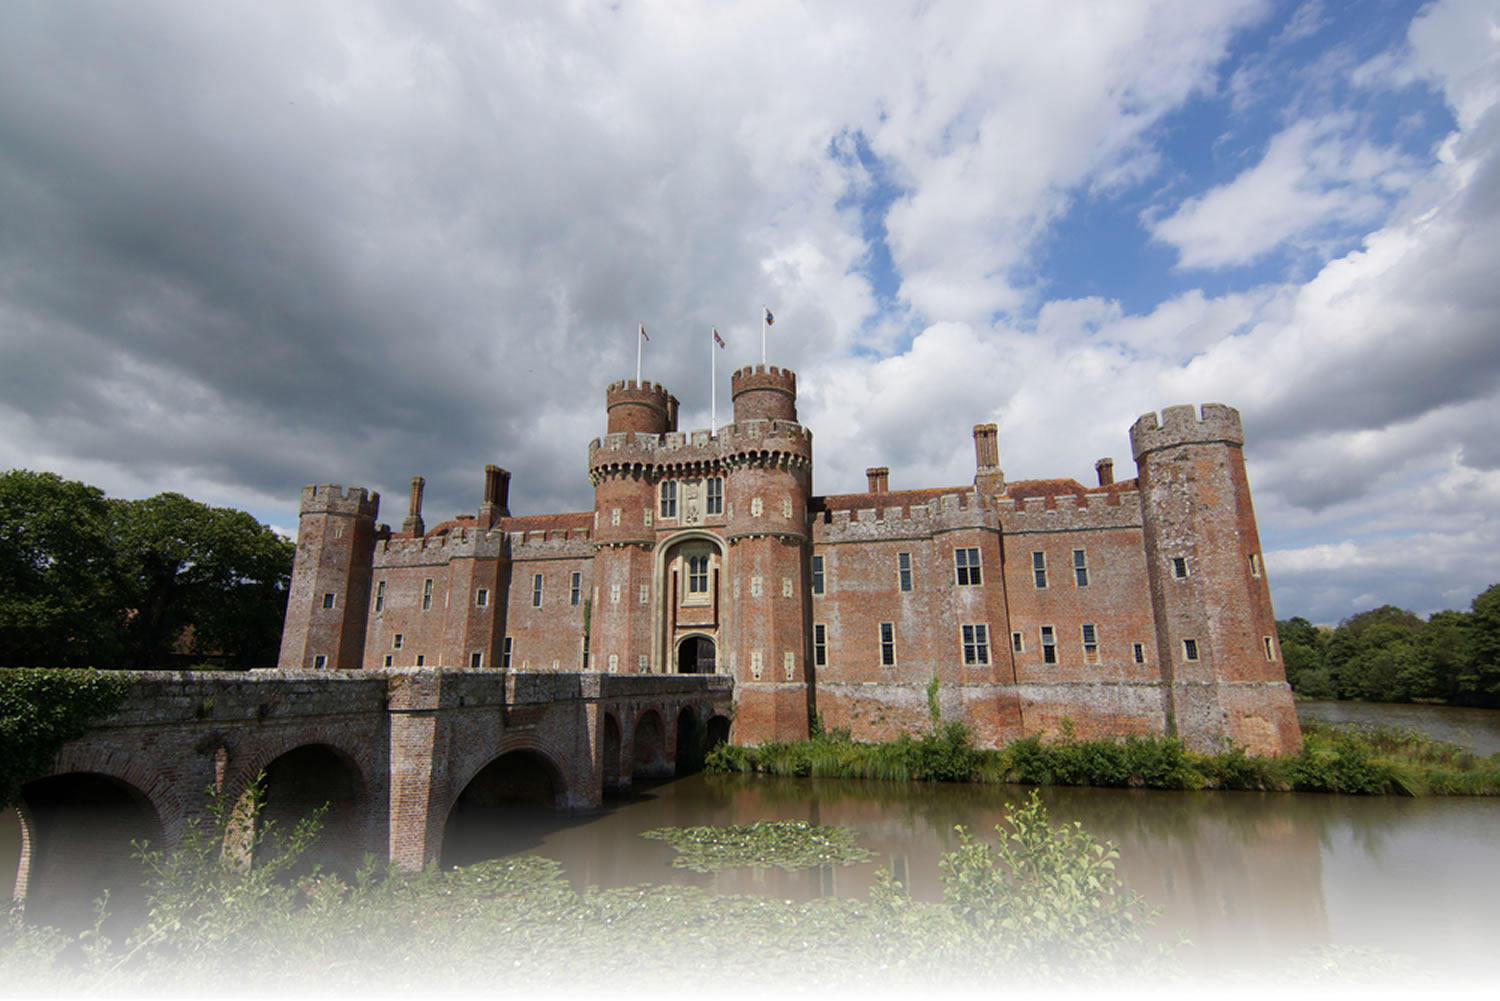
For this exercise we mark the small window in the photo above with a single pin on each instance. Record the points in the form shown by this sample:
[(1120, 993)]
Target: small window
[(1039, 569), (614, 594), (757, 507), (755, 586), (388, 660), (976, 645), (614, 516), (1179, 567), (482, 597), (903, 571), (1090, 644), (320, 662), (575, 588), (888, 644), (817, 575), (820, 644), (1138, 651), (1189, 649), (1049, 645), (380, 596), (966, 563), (328, 600), (421, 660), (1255, 564), (1080, 568), (396, 641), (697, 575), (476, 659), (640, 665), (1018, 642), (788, 665), (713, 497), (1270, 649), (505, 649), (645, 594), (536, 590), (614, 663), (755, 664), (426, 594), (669, 498), (786, 587)]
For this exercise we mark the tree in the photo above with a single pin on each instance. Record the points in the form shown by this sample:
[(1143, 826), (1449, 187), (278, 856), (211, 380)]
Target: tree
[(1483, 678)]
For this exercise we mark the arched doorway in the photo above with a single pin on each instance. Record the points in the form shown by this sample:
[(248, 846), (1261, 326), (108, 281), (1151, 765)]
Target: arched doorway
[(506, 808), (297, 785), (695, 655), (83, 825)]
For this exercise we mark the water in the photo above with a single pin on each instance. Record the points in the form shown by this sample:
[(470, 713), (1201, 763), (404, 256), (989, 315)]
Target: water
[(1476, 729)]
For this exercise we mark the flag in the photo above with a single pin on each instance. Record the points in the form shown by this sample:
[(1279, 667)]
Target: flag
[(643, 333), (769, 318), (717, 339)]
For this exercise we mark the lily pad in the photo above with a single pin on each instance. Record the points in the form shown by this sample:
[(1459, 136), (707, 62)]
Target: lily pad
[(781, 844)]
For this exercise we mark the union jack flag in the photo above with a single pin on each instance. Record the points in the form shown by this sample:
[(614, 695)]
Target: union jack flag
[(717, 339)]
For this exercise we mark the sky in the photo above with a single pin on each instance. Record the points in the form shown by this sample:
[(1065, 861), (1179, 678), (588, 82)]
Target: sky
[(253, 244)]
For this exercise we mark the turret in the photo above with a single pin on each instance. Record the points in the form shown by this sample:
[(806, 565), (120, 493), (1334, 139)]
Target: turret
[(640, 407), (1216, 633), (328, 600), (762, 393)]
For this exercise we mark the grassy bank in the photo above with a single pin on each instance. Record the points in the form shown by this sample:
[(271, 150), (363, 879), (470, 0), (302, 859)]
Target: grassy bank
[(1332, 759)]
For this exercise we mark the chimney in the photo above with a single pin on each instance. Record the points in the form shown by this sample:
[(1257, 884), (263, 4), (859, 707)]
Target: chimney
[(989, 479), (1106, 470), (413, 525), (879, 477), (495, 504)]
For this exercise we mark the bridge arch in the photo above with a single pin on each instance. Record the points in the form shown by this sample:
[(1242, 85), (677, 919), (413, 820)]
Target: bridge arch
[(611, 744), (715, 731), (505, 805), (648, 756), (300, 780), (689, 756)]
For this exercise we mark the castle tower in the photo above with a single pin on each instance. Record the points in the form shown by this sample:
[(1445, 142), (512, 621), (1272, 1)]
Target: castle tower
[(1216, 633), (769, 463), (625, 505), (329, 597)]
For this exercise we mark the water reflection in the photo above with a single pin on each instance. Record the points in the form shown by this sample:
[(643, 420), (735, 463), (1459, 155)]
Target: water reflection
[(1476, 729)]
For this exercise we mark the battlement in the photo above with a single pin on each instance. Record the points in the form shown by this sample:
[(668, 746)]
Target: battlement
[(1069, 512), (551, 544), (437, 548), (332, 498), (698, 449), (764, 393), (640, 407), (1183, 425), (897, 521)]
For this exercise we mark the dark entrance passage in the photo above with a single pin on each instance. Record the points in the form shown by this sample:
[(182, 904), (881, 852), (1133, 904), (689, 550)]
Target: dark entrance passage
[(82, 828), (689, 742), (505, 809), (297, 785), (612, 743), (695, 655), (716, 733)]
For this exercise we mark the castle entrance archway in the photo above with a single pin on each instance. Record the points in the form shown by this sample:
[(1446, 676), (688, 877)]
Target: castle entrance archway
[(695, 655), (690, 606)]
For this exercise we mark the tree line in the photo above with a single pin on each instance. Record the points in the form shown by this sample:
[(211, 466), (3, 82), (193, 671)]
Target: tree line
[(92, 581), (1391, 655)]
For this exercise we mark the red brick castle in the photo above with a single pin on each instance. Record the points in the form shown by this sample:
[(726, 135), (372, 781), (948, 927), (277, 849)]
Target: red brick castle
[(1137, 606)]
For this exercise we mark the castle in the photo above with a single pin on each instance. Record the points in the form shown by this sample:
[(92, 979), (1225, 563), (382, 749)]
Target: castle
[(1133, 606)]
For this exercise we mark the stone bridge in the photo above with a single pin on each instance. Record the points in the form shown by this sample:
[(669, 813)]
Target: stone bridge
[(410, 762)]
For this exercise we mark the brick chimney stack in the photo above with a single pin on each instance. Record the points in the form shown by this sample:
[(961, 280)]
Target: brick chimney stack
[(879, 477), (496, 501), (413, 525), (1106, 469)]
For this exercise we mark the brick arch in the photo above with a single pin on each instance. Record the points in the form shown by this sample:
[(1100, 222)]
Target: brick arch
[(611, 749), (255, 758), (642, 760), (141, 774), (509, 744)]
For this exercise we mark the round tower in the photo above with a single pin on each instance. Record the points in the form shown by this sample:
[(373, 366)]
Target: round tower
[(640, 408), (1216, 633), (764, 394)]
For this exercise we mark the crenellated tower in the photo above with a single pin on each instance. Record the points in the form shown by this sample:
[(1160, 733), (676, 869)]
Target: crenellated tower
[(329, 596), (1215, 631)]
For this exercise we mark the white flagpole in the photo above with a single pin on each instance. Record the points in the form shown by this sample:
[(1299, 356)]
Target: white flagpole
[(765, 311), (640, 335), (713, 383)]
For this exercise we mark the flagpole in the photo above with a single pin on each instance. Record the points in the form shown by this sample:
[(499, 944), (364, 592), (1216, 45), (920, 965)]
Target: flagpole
[(765, 311), (713, 384), (640, 336)]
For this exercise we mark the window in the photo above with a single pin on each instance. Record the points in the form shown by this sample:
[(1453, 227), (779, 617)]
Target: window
[(755, 664), (755, 586), (505, 649), (789, 665), (1270, 650), (1090, 644), (976, 644), (1255, 564), (888, 644), (903, 570), (614, 663), (713, 502), (820, 644), (1039, 569), (380, 596), (1018, 642), (328, 600), (966, 561), (575, 588), (476, 659), (482, 597), (786, 507), (640, 665), (396, 641), (1179, 567), (536, 590), (320, 662), (697, 575), (786, 587), (1138, 651), (817, 574), (421, 660), (1049, 645), (756, 507), (614, 516), (1189, 649), (1080, 568), (426, 594), (388, 659), (669, 498)]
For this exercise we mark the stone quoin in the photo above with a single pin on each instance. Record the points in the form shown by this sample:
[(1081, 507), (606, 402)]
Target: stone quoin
[(1135, 606)]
